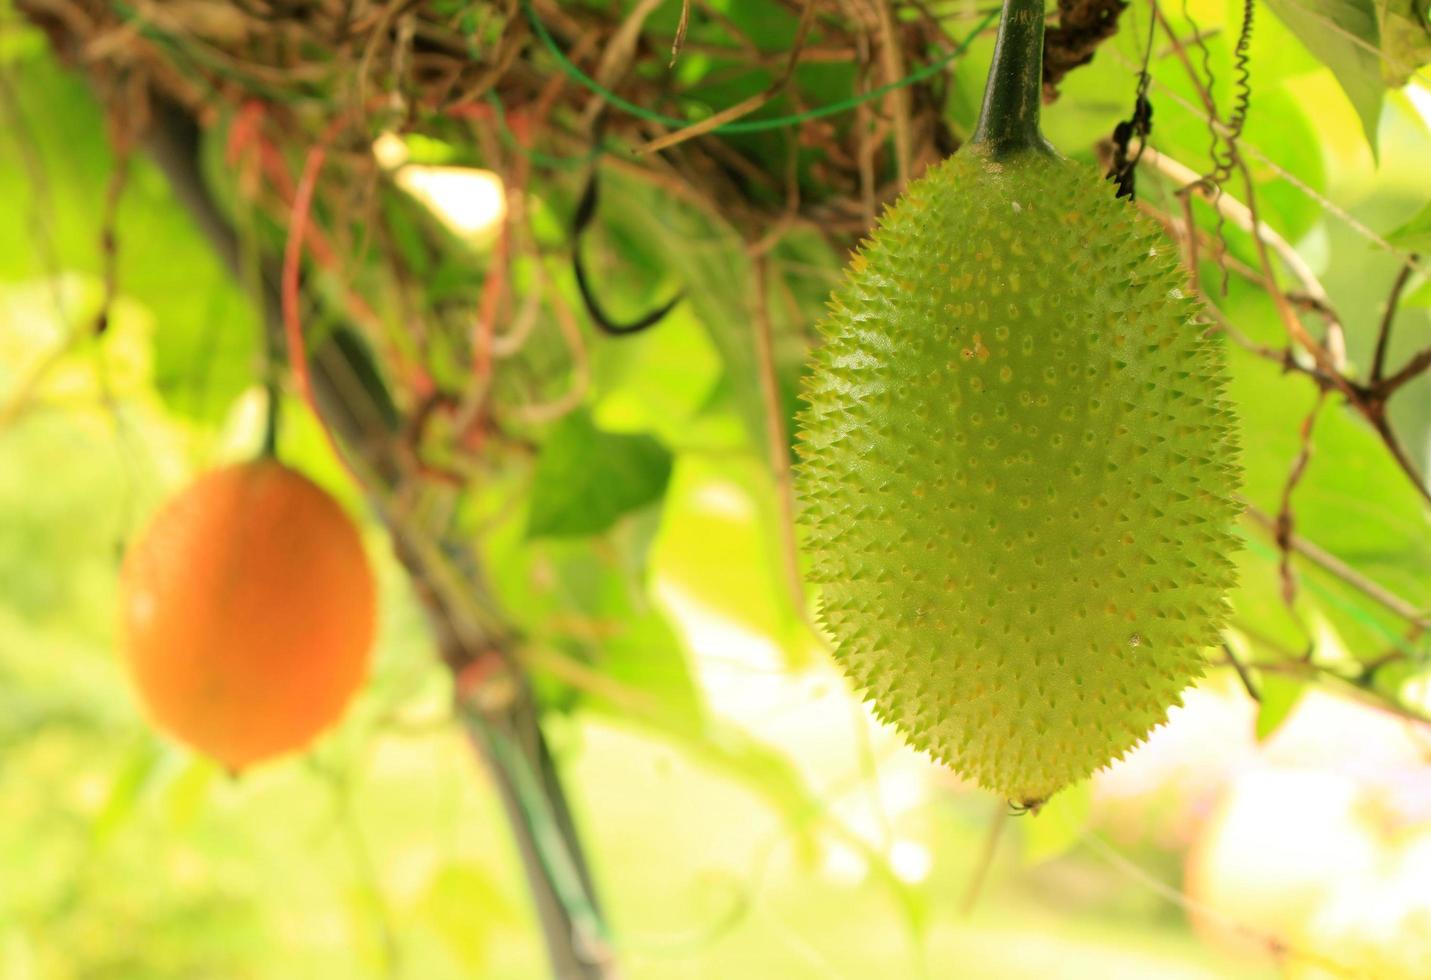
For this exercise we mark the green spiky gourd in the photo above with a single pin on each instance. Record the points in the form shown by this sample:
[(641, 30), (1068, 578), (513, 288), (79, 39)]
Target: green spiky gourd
[(1018, 470)]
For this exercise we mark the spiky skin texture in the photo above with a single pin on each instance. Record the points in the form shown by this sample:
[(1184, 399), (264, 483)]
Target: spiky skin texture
[(1018, 472)]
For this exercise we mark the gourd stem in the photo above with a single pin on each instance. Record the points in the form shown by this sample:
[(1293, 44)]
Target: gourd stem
[(275, 408), (1008, 120)]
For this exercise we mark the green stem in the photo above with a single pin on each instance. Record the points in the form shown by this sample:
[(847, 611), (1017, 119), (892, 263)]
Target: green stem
[(1008, 121), (270, 427)]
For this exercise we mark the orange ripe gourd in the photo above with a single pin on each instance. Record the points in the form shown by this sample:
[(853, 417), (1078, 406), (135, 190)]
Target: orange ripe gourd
[(247, 613)]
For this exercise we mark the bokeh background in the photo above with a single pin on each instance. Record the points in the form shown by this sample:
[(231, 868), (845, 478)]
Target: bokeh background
[(775, 830)]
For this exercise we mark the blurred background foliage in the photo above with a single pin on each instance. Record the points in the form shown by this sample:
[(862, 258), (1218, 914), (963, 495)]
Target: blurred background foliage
[(743, 814)]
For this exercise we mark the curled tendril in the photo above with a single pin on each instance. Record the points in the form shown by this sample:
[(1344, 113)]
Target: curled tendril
[(1224, 145), (1223, 161)]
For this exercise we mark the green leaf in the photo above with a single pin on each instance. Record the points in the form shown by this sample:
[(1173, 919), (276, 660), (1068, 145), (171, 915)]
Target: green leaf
[(205, 331), (585, 601), (627, 639), (707, 259), (589, 597), (1405, 38), (422, 149), (1416, 233), (187, 792), (711, 263), (768, 772), (655, 381), (129, 783), (465, 907), (1344, 36), (1280, 694), (1352, 502), (1257, 600), (20, 43), (1058, 824), (719, 548), (1418, 296), (1407, 680), (587, 479)]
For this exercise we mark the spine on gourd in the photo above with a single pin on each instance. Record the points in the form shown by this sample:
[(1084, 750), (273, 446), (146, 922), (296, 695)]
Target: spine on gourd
[(1009, 116)]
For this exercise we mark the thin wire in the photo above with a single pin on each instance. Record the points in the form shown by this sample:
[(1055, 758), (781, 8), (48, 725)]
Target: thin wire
[(509, 139), (751, 125)]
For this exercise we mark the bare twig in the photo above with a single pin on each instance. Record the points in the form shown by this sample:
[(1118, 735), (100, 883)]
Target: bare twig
[(778, 444), (109, 238), (1190, 232), (1413, 368), (40, 205), (1326, 368), (1285, 520), (892, 59), (1244, 217), (1242, 672), (1275, 946), (680, 38), (745, 106), (1209, 115), (1382, 425), (581, 366), (1338, 568), (1357, 686), (1296, 664), (1083, 25), (616, 55), (980, 875), (339, 783), (1262, 236)]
